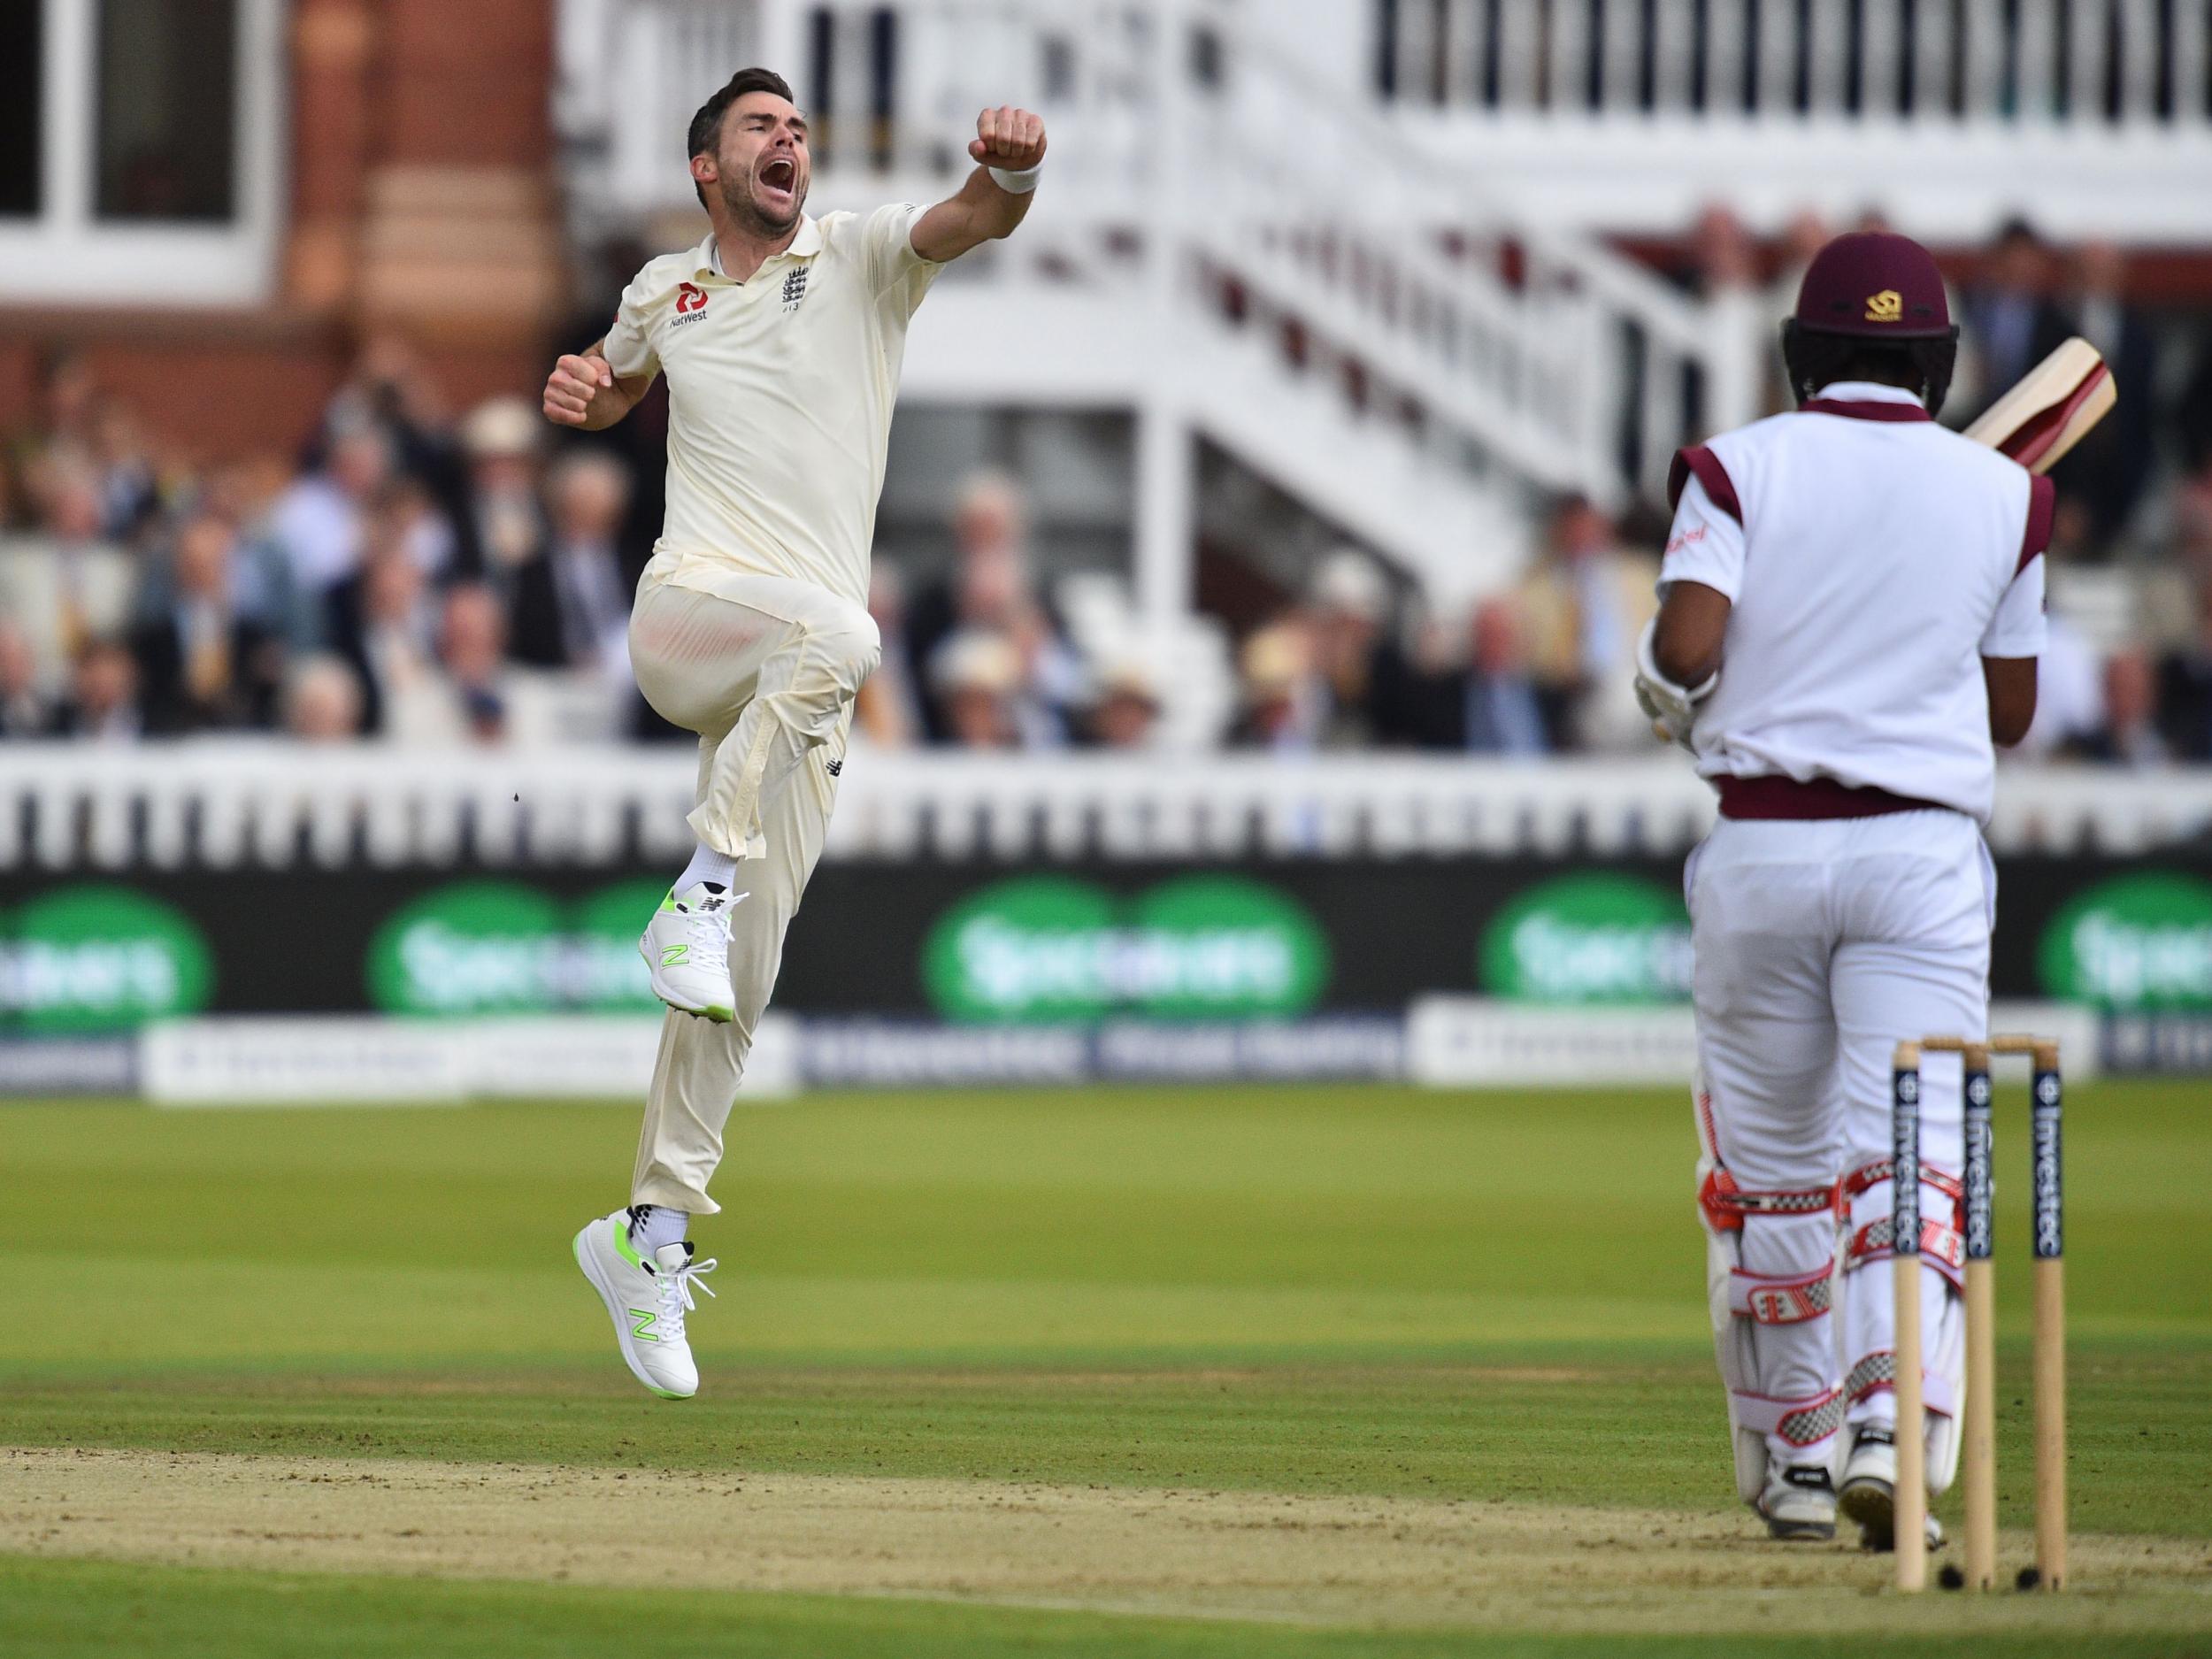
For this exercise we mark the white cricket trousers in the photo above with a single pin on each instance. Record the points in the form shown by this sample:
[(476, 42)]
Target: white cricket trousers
[(764, 670), (1820, 944)]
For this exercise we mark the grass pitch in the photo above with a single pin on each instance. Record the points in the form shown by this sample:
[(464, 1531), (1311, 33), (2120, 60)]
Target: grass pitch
[(1129, 1371)]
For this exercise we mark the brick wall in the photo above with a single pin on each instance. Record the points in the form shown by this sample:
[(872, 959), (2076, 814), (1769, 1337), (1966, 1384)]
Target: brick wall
[(420, 200)]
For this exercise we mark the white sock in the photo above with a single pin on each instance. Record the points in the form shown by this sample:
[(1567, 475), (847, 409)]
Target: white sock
[(708, 865), (652, 1226)]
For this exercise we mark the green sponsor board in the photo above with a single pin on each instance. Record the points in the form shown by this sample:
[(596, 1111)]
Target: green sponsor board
[(96, 958), (496, 946), (2140, 942), (1597, 937), (1054, 948)]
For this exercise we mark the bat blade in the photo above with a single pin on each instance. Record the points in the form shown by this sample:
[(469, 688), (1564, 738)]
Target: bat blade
[(2051, 409)]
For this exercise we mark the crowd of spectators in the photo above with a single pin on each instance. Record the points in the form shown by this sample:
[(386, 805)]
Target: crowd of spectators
[(422, 576), (406, 577)]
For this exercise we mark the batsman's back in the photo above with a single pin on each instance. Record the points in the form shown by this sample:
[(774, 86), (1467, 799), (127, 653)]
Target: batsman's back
[(1881, 557)]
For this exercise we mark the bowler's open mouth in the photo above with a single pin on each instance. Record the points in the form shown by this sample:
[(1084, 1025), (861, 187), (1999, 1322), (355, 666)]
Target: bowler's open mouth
[(780, 176)]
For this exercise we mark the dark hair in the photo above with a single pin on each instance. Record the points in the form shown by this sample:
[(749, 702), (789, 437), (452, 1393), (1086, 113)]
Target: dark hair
[(1816, 358), (706, 125)]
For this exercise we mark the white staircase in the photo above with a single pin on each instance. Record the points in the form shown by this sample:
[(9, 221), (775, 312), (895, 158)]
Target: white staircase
[(1233, 239)]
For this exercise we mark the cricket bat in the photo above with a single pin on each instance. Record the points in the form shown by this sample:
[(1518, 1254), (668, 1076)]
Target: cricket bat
[(2051, 409)]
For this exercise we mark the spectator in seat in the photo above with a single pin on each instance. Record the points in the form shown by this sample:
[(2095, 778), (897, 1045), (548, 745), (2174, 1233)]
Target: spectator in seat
[(389, 389), (2010, 320), (567, 604), (387, 628), (887, 712), (102, 701), (2109, 468), (991, 588), (1348, 613), (322, 700), (502, 526), (321, 522), (67, 398), (202, 665), (24, 711), (2130, 736), (243, 492), (976, 675), (2185, 689), (1583, 605), (1125, 713), (64, 583), (128, 480), (1498, 707), (472, 701), (1283, 696)]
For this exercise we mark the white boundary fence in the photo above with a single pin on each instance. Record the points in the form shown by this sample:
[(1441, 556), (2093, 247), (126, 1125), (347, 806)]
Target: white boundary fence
[(226, 804)]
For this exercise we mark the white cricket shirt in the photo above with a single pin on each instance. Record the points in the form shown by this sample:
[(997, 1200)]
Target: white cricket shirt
[(780, 390), (1872, 558)]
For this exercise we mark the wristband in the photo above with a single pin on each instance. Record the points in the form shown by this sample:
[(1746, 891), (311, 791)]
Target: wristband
[(1016, 183)]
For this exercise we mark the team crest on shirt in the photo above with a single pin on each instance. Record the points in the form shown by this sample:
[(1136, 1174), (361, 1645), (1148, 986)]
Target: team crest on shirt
[(794, 287), (691, 304)]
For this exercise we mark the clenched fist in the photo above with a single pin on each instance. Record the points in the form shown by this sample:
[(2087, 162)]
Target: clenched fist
[(1011, 140), (573, 387)]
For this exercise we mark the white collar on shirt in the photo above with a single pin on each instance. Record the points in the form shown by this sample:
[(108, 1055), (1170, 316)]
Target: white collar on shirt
[(707, 258), (1866, 392)]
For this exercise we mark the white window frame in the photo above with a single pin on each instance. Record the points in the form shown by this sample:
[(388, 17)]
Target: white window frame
[(68, 256)]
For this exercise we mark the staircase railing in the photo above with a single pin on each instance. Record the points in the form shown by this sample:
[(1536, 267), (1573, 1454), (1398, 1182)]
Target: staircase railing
[(2083, 64), (1193, 154)]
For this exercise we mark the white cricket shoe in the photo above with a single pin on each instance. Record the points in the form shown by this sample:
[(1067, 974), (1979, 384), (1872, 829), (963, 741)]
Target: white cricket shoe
[(647, 1296), (686, 949), (1869, 1493), (1800, 1501)]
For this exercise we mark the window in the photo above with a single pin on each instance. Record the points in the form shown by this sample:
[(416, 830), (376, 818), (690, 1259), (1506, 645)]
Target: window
[(139, 151), (167, 110), (19, 115)]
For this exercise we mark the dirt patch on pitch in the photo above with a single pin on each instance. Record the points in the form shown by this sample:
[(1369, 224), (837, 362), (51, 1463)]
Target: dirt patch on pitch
[(1234, 1554)]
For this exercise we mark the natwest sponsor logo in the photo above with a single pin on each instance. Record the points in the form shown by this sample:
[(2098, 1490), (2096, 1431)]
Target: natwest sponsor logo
[(691, 304), (1599, 937), (2136, 942), (1051, 947)]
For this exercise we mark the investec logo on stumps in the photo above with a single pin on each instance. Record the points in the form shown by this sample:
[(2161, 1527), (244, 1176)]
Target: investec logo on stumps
[(1599, 937), (2138, 943), (1052, 948)]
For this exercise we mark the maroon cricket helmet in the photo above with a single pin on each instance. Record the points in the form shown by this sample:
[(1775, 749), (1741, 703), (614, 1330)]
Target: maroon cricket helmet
[(1877, 286), (1863, 290)]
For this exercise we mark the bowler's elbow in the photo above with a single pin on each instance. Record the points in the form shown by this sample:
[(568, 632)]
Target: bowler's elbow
[(2011, 683)]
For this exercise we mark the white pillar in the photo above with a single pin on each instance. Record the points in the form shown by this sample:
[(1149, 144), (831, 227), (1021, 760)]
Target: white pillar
[(1166, 554)]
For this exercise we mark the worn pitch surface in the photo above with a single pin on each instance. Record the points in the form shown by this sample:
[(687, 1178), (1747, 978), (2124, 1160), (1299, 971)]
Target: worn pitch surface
[(1328, 1371)]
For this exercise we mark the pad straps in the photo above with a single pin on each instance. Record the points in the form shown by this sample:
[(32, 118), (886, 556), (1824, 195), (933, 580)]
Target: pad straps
[(1782, 1299)]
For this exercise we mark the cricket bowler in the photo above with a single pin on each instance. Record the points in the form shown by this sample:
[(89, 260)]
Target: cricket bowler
[(1852, 607), (781, 336)]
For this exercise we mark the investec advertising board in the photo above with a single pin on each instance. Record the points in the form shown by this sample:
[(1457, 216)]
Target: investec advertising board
[(1284, 968)]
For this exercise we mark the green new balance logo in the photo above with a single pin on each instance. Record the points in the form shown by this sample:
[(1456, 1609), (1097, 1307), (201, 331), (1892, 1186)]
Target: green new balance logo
[(642, 1329), (671, 955)]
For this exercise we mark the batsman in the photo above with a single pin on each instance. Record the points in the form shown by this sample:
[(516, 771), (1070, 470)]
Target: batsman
[(1851, 612)]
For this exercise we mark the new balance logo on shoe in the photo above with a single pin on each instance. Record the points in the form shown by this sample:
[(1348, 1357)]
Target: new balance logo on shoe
[(642, 1324), (673, 954)]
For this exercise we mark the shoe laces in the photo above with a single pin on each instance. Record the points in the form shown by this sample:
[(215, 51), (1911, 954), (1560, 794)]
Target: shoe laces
[(707, 928), (675, 1286)]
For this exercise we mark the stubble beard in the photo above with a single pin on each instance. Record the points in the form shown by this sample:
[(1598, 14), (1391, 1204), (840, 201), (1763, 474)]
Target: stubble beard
[(747, 212)]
